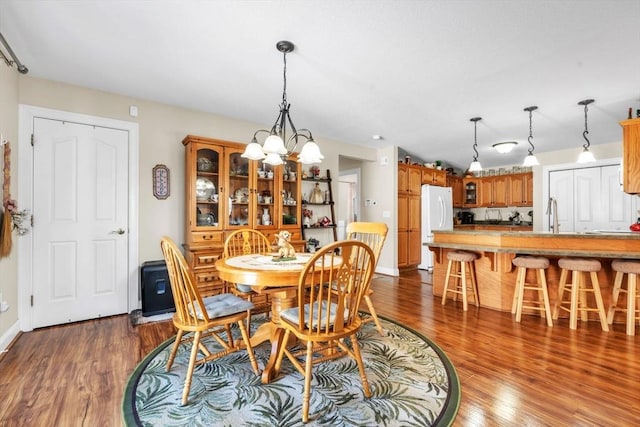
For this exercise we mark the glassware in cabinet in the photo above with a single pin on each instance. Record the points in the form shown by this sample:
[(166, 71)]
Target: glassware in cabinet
[(205, 187)]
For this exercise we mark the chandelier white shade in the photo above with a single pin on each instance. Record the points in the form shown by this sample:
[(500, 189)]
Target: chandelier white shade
[(277, 146)]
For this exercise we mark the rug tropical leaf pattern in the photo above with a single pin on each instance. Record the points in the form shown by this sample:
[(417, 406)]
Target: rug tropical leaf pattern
[(412, 382)]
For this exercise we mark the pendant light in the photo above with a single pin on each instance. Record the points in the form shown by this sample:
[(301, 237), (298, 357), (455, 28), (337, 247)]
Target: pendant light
[(475, 165), (531, 159), (586, 156), (277, 147)]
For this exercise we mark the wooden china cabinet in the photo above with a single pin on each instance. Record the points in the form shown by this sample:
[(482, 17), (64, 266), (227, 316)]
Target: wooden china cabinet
[(225, 192)]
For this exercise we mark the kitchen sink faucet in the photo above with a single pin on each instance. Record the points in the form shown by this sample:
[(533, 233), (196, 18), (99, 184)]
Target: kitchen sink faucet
[(552, 209)]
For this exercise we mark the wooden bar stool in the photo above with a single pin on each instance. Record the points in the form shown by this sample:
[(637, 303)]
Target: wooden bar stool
[(578, 290), (460, 268), (631, 269), (540, 264)]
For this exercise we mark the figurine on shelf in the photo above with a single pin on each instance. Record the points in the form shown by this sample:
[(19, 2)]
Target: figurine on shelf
[(307, 213), (312, 244), (324, 222), (316, 195), (286, 251)]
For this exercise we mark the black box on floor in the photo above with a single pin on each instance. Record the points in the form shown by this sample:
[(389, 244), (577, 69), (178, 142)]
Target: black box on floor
[(156, 288)]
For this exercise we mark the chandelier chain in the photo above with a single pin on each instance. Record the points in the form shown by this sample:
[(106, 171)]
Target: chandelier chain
[(284, 78)]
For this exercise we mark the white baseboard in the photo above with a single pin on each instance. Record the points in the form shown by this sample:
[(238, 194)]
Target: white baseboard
[(6, 339), (387, 271)]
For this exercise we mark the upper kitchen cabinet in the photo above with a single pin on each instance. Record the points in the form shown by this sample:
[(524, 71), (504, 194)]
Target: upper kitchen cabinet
[(631, 156), (521, 193), (432, 176), (494, 191), (457, 190), (471, 192), (409, 179)]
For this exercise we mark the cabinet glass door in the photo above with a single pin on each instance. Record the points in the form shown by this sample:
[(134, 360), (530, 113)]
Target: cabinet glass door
[(207, 187), (471, 193), (238, 190), (290, 205), (265, 197)]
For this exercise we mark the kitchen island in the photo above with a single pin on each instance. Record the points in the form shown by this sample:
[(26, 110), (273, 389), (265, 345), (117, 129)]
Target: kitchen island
[(496, 249)]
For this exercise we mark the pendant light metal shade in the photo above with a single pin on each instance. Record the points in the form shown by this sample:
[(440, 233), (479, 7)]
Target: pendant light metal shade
[(277, 146), (475, 165), (586, 156)]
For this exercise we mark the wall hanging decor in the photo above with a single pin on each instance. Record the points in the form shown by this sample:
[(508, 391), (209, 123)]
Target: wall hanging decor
[(161, 187)]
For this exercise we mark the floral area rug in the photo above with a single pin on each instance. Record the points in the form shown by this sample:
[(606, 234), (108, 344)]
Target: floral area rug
[(412, 381)]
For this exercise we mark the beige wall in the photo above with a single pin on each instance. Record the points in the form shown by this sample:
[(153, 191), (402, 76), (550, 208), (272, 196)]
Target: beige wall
[(161, 130), (9, 131)]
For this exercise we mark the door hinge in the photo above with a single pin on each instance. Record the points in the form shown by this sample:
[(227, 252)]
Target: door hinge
[(31, 220), (31, 300), (32, 139)]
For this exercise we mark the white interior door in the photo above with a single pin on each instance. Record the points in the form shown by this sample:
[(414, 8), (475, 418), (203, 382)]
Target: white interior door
[(80, 207)]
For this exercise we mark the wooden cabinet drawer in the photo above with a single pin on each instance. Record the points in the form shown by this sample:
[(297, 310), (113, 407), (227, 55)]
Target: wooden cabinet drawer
[(213, 237), (205, 259)]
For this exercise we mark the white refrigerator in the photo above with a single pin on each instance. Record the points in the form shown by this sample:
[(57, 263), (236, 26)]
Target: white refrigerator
[(437, 214)]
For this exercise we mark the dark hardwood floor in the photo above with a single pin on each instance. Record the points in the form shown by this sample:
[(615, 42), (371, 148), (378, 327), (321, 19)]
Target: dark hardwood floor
[(511, 374)]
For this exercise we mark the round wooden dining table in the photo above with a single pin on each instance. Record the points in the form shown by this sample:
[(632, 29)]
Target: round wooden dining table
[(280, 279)]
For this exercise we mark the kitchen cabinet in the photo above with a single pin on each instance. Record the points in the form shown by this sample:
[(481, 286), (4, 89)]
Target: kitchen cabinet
[(225, 192), (432, 176), (409, 205), (494, 191), (631, 156), (457, 190), (471, 190), (521, 189), (409, 179)]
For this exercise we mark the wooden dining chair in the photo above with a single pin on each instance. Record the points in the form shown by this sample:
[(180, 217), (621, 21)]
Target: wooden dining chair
[(243, 242), (373, 234), (208, 317), (330, 290)]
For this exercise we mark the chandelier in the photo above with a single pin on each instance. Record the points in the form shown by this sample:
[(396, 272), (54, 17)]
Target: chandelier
[(277, 146)]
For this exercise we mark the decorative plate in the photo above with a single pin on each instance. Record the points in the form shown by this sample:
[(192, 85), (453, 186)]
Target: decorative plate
[(204, 188)]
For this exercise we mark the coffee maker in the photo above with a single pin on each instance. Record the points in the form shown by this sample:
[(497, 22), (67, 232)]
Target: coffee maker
[(465, 217)]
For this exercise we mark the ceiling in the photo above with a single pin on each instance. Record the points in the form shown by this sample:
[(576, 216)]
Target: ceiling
[(414, 71)]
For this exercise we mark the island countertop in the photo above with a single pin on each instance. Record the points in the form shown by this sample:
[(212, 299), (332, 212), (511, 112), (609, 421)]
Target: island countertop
[(586, 244), (497, 249)]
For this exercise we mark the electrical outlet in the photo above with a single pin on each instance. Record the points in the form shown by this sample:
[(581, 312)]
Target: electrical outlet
[(367, 202)]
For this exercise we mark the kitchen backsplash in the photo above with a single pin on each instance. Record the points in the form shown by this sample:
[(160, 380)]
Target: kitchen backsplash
[(498, 214)]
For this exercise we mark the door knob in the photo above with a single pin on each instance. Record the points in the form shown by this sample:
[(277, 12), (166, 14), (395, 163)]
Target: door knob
[(118, 231)]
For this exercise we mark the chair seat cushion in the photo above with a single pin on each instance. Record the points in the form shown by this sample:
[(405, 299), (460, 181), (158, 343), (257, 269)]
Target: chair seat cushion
[(244, 288), (293, 314), (223, 305)]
